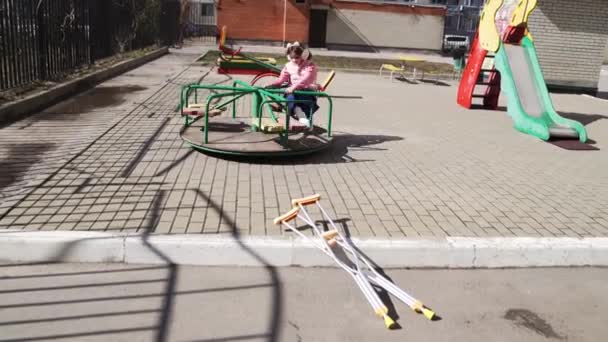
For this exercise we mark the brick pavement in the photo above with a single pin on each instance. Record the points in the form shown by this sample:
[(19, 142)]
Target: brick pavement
[(406, 162)]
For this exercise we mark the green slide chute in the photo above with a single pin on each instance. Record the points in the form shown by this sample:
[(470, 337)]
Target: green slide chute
[(528, 101)]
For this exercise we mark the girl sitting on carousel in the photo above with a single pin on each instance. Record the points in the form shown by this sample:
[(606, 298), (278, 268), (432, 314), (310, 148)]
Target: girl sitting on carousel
[(300, 73)]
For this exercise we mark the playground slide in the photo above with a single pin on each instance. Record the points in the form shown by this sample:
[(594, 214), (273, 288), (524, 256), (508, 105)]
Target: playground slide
[(529, 103)]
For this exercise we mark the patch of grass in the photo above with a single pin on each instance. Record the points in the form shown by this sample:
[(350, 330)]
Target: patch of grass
[(332, 62)]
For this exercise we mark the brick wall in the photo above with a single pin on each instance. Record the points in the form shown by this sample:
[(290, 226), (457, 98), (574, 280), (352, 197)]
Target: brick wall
[(570, 38), (263, 19)]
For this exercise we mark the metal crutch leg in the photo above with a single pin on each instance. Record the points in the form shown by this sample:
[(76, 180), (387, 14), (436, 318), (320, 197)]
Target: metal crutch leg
[(355, 271), (372, 297), (380, 280), (379, 307)]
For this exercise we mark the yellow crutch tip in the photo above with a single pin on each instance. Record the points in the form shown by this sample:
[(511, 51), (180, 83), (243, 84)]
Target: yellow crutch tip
[(429, 314), (390, 324), (382, 311)]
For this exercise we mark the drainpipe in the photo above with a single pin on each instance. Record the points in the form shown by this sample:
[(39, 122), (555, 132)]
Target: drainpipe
[(284, 22)]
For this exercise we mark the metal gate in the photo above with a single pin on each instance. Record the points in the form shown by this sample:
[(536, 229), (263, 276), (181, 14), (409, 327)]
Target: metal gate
[(169, 22), (462, 20), (202, 21), (197, 22)]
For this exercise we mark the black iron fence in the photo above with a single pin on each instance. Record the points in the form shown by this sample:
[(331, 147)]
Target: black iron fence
[(196, 21), (461, 21), (201, 23), (46, 39), (169, 25)]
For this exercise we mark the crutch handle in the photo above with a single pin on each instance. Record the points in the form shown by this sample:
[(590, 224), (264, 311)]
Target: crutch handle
[(330, 237), (330, 234), (288, 216), (306, 200)]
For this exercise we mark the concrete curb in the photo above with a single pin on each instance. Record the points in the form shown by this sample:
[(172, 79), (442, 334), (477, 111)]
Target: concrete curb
[(594, 97), (15, 110), (224, 250), (429, 77)]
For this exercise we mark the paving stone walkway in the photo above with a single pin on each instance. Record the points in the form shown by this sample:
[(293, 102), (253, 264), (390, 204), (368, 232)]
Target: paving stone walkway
[(406, 162)]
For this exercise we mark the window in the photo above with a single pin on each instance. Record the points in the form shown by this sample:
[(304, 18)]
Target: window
[(206, 10), (472, 3), (444, 2), (467, 3)]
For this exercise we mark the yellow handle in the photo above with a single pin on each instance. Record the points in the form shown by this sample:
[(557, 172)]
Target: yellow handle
[(328, 80), (330, 234), (223, 34), (288, 216), (306, 200)]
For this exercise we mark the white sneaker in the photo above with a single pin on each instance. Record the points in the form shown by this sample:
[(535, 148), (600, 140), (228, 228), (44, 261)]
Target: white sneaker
[(299, 112), (304, 121)]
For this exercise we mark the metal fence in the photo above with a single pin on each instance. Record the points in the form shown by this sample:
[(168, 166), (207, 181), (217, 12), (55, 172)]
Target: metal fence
[(198, 21), (462, 21), (202, 24), (40, 39), (46, 39)]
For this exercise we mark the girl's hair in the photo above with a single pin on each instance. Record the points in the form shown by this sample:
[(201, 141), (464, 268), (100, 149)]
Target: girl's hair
[(295, 50), (298, 50)]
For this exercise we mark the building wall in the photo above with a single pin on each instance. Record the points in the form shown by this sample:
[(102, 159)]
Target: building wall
[(606, 54), (570, 38), (263, 19), (349, 23), (389, 25)]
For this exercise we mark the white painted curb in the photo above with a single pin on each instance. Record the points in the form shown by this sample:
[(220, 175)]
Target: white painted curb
[(595, 98), (61, 247), (224, 250)]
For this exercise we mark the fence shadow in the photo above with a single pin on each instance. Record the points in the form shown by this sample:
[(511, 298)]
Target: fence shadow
[(57, 292)]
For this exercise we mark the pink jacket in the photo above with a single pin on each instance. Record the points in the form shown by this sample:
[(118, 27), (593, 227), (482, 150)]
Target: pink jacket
[(303, 76)]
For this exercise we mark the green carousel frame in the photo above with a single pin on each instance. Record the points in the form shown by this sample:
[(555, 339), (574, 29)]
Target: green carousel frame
[(250, 136)]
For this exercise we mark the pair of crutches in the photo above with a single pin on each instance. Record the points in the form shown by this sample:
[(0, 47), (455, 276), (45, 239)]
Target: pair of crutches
[(358, 266)]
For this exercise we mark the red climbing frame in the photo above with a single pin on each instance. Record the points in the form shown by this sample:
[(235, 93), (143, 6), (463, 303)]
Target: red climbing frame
[(471, 78), (473, 74)]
